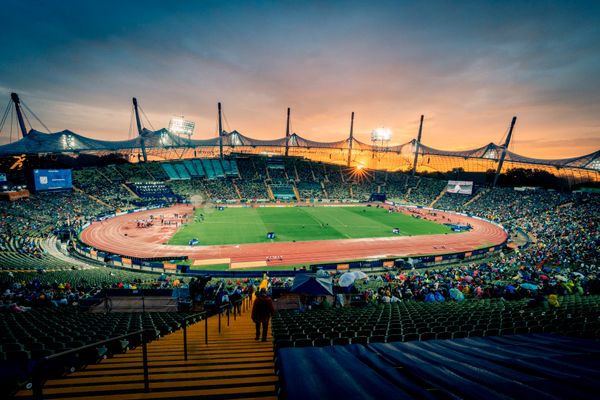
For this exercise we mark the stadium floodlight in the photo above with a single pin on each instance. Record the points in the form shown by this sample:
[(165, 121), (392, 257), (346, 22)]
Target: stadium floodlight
[(68, 141), (164, 138), (181, 126), (491, 154), (594, 165), (381, 134)]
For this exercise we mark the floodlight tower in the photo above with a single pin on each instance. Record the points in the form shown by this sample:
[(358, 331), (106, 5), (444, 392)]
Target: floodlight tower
[(140, 130), (181, 126), (287, 133), (381, 136), (15, 98), (417, 144), (351, 138), (504, 148), (380, 139)]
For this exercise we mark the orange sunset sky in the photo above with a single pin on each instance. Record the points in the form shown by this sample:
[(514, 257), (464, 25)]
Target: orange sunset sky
[(467, 67)]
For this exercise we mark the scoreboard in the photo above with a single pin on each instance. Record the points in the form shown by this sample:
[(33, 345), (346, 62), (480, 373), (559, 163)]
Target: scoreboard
[(52, 179), (461, 187)]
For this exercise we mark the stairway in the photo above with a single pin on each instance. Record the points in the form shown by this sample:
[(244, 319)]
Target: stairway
[(407, 195), (51, 246), (231, 366), (96, 199), (478, 195), (119, 172), (418, 182), (312, 173), (325, 194), (148, 172), (270, 192), (296, 192), (237, 190), (104, 176), (131, 192), (439, 196)]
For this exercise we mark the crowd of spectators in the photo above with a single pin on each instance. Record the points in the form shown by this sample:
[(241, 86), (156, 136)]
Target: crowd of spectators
[(68, 287), (156, 171), (252, 168), (562, 227), (562, 257), (503, 204), (21, 252), (454, 201), (278, 175), (251, 190), (43, 213), (396, 186), (502, 278), (362, 189), (334, 181), (300, 170), (134, 172), (20, 291), (111, 173), (320, 171), (425, 191), (20, 296), (565, 235), (337, 192), (220, 190), (188, 188), (25, 223), (107, 183), (339, 183), (23, 245), (310, 190)]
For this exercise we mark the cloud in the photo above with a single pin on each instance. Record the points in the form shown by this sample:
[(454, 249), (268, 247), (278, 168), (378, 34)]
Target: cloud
[(468, 68)]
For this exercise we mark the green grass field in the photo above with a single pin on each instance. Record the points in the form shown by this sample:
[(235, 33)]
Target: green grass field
[(250, 225)]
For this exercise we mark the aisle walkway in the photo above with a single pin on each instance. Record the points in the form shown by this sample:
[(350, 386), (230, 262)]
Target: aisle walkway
[(232, 366)]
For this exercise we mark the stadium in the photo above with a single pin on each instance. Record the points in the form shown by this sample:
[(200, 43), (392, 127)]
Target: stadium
[(128, 268)]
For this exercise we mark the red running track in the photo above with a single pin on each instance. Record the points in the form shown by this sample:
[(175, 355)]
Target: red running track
[(120, 235)]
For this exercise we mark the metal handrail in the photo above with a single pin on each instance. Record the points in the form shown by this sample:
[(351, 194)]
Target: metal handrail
[(37, 378), (200, 314), (37, 384), (93, 345), (184, 324), (205, 316)]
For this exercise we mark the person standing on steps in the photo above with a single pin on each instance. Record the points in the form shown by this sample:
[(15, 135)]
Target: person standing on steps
[(236, 300), (262, 311)]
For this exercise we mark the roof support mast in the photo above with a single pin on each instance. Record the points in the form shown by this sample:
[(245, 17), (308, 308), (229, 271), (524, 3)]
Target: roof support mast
[(137, 116), (15, 98), (351, 138), (417, 144), (287, 133), (220, 132), (139, 128), (504, 148)]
